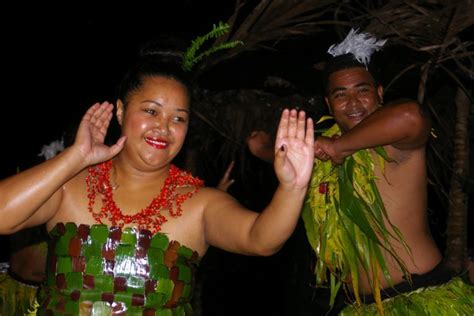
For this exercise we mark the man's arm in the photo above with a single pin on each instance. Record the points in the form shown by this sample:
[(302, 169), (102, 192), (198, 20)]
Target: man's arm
[(403, 125)]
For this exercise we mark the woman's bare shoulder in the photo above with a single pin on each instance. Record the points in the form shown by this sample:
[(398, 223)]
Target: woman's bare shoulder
[(210, 196)]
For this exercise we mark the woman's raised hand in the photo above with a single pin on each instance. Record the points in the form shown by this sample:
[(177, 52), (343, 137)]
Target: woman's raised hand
[(91, 135), (294, 152)]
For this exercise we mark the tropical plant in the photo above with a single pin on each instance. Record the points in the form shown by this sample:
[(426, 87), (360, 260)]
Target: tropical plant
[(191, 56)]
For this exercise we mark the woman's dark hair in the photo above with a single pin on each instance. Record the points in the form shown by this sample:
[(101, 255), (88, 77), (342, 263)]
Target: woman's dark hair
[(154, 64), (347, 61)]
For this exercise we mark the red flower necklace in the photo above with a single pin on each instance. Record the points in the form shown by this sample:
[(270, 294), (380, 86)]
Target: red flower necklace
[(98, 180)]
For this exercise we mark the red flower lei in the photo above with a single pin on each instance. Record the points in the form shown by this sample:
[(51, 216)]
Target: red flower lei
[(98, 180)]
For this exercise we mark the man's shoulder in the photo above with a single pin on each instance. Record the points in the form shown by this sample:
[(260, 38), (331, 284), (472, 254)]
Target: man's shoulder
[(402, 101), (406, 106)]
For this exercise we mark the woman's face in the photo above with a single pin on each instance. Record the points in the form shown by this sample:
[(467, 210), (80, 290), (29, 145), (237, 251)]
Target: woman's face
[(155, 120)]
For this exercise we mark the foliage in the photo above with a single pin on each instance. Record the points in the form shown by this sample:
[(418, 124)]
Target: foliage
[(451, 299), (191, 56), (347, 224), (269, 22), (16, 298)]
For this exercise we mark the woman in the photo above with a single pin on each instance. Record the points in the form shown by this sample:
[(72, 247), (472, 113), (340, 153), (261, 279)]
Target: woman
[(123, 219)]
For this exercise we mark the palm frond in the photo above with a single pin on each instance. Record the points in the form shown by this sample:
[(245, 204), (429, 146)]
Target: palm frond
[(348, 227), (191, 56), (271, 21)]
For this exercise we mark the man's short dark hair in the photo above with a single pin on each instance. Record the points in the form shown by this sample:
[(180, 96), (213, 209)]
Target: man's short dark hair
[(347, 61)]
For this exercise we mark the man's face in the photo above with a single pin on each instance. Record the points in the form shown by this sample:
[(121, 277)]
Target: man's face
[(352, 96)]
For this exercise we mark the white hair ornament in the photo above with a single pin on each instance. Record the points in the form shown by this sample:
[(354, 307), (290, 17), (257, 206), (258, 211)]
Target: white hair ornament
[(51, 150), (361, 45)]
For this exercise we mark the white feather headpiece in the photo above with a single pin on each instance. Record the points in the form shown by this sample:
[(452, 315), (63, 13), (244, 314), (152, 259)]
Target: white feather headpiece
[(361, 45)]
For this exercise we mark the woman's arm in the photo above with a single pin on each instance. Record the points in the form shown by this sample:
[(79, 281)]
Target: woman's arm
[(230, 226), (33, 196)]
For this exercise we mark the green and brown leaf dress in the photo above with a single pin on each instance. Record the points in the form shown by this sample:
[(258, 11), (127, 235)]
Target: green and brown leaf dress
[(101, 270)]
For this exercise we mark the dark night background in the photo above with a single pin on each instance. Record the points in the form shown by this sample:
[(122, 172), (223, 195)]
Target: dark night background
[(58, 60)]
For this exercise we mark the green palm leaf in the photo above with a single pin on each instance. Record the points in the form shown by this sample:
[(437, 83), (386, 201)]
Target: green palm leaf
[(347, 224), (192, 57)]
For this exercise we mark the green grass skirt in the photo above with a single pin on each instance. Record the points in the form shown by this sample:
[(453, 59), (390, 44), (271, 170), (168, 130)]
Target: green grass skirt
[(16, 298), (453, 298)]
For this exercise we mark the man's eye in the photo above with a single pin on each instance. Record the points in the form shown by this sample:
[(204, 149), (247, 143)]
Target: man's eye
[(150, 111), (179, 119)]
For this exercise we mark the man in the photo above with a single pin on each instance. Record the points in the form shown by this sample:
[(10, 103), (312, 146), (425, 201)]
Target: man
[(354, 98)]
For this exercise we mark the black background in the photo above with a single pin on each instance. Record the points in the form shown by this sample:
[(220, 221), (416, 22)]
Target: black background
[(57, 60)]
